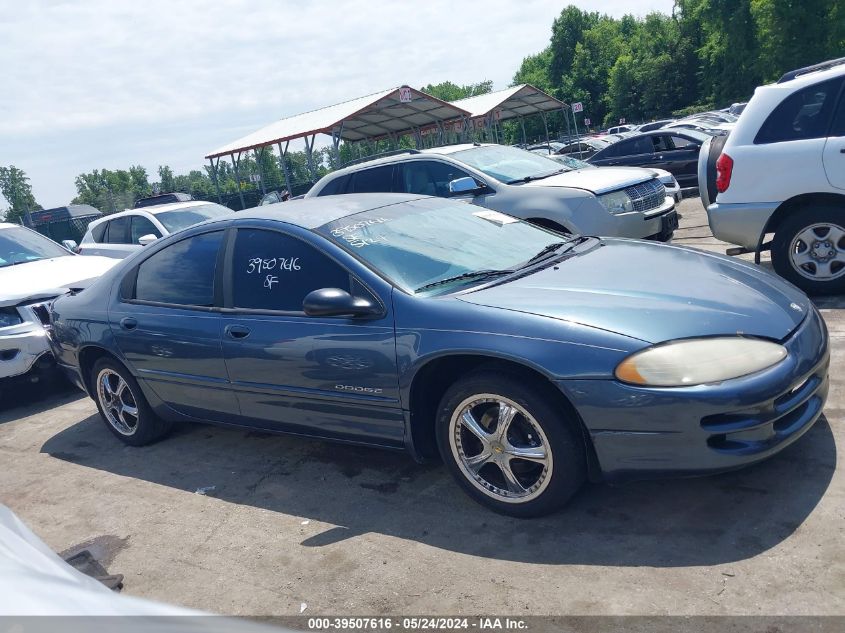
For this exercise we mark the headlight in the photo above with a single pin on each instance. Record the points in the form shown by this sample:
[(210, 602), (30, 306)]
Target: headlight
[(9, 316), (699, 361), (617, 202)]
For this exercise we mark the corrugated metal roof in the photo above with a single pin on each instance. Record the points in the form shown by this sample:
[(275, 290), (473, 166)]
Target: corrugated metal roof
[(397, 111), (516, 101)]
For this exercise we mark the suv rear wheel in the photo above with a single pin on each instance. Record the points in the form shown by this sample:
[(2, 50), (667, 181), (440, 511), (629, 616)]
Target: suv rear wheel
[(809, 249)]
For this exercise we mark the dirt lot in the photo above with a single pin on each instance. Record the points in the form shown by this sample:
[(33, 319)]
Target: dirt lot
[(285, 521)]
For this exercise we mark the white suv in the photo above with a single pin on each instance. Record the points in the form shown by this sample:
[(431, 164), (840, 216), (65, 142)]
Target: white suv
[(782, 171), (121, 234), (611, 201)]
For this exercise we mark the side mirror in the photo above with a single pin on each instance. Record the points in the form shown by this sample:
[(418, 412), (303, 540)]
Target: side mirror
[(71, 245), (464, 185), (337, 302), (149, 238)]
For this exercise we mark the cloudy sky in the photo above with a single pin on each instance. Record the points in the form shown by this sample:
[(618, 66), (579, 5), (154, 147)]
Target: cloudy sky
[(91, 84)]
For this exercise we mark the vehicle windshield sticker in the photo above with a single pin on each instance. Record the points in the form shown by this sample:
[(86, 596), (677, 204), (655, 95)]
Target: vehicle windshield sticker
[(348, 233), (499, 219)]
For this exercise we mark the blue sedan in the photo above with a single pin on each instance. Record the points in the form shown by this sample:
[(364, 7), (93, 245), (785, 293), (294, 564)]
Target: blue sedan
[(527, 360)]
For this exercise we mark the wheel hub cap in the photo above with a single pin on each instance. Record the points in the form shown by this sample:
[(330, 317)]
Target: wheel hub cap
[(818, 252), (500, 448)]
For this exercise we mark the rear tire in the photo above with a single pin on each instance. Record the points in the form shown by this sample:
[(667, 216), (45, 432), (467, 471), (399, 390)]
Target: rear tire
[(509, 444), (809, 249), (122, 405)]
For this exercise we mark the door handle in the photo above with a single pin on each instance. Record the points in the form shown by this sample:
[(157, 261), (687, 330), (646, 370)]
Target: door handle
[(842, 151), (128, 323), (236, 331)]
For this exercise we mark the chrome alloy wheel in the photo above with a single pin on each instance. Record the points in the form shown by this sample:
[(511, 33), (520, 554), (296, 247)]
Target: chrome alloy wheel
[(818, 252), (500, 448), (117, 401)]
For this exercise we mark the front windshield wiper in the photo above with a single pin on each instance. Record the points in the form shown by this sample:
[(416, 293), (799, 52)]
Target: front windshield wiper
[(477, 275), (537, 177), (554, 247)]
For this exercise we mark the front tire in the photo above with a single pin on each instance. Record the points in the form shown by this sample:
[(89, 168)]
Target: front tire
[(809, 250), (122, 405), (509, 445)]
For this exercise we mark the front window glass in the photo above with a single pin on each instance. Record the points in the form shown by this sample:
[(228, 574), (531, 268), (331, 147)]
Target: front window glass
[(416, 243), (275, 271), (506, 164), (19, 246), (179, 219), (429, 177)]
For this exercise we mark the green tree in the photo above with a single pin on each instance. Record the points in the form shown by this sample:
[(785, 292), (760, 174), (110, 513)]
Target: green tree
[(447, 91), (797, 33), (15, 188), (567, 32), (167, 183)]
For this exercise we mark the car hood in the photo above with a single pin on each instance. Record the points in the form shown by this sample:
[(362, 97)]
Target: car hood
[(49, 277), (654, 293), (597, 181)]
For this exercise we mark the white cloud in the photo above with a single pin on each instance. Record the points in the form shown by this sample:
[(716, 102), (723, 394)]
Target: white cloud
[(120, 77)]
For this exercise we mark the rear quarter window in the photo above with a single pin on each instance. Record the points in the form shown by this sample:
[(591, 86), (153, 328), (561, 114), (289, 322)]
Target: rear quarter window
[(802, 115), (335, 187)]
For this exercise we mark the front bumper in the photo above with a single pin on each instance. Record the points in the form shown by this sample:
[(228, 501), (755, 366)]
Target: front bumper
[(740, 224), (20, 351), (644, 432), (639, 225)]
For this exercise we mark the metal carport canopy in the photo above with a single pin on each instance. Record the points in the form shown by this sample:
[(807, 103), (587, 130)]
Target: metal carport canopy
[(510, 103), (391, 113)]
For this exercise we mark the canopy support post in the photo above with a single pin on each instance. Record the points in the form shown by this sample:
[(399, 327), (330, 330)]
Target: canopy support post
[(546, 128), (260, 170), (283, 154), (522, 123), (235, 164), (214, 177), (309, 153), (336, 136)]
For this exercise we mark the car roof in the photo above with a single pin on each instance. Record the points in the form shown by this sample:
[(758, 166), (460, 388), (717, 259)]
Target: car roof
[(310, 213), (152, 210)]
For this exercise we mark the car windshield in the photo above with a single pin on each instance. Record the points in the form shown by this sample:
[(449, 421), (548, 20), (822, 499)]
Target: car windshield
[(507, 164), (416, 244), (19, 245), (569, 163), (179, 219)]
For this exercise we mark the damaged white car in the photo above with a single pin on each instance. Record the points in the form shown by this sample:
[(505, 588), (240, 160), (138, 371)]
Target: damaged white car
[(34, 270)]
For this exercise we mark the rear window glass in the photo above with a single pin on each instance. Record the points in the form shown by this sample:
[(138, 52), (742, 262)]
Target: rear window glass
[(99, 231), (118, 231), (376, 180), (803, 115), (334, 187), (182, 273)]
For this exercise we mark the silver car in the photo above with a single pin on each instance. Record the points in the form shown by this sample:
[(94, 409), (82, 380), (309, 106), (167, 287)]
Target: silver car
[(121, 234), (620, 201)]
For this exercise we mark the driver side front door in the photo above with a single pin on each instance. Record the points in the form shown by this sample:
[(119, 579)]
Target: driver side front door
[(326, 376)]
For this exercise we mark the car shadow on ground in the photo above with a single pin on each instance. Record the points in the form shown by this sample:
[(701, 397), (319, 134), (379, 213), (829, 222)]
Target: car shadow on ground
[(25, 399), (669, 523)]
